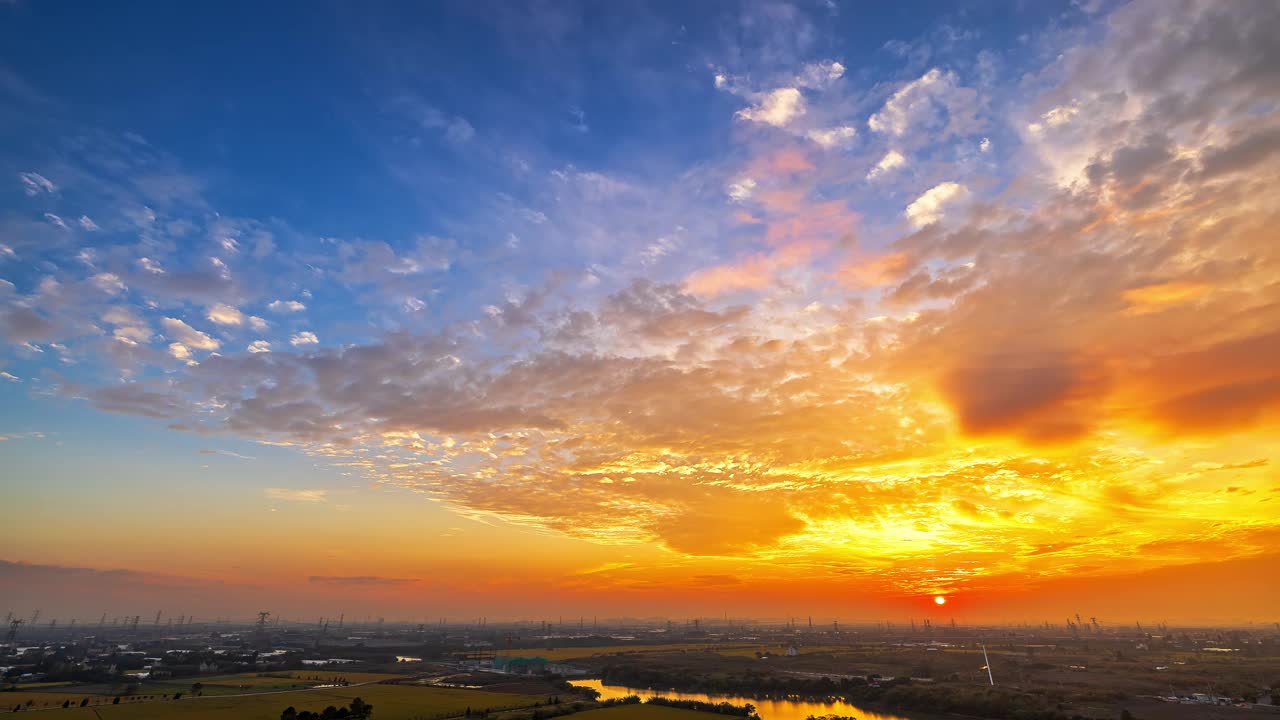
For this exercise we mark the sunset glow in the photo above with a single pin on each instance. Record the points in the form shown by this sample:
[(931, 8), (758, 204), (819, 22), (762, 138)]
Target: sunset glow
[(744, 309)]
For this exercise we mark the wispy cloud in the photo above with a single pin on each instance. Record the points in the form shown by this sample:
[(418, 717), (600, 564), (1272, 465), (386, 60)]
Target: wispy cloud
[(297, 495), (34, 183)]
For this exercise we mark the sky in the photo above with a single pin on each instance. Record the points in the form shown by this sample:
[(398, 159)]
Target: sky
[(531, 310)]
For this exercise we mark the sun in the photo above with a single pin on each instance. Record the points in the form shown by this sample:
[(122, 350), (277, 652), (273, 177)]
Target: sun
[(941, 600)]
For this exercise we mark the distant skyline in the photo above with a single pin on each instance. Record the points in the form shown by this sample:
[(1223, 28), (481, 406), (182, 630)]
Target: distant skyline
[(641, 309)]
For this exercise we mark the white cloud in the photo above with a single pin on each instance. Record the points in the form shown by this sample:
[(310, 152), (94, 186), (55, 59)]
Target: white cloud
[(225, 315), (259, 346), (536, 217), (150, 266), (305, 337), (132, 334), (776, 108), (117, 315), (56, 221), (653, 252), (109, 283), (1060, 115), (892, 160), (187, 335), (229, 244), (299, 495), (10, 377), (180, 351), (142, 216), (456, 129), (283, 306), (35, 183), (928, 207), (129, 328), (6, 251), (922, 101), (459, 131), (87, 223), (258, 323), (833, 136), (820, 75), (740, 190), (985, 145)]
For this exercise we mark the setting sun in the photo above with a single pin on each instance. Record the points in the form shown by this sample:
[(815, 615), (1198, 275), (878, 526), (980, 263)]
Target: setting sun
[(939, 599)]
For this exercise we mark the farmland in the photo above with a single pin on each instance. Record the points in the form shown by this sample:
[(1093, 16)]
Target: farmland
[(727, 649), (393, 702)]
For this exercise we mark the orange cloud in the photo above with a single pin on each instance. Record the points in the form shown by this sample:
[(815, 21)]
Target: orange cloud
[(876, 271), (751, 273), (1158, 296)]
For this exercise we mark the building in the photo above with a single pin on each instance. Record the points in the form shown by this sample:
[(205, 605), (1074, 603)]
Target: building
[(520, 665)]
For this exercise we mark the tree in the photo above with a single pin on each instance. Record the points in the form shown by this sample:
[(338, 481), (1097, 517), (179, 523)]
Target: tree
[(115, 700), (84, 702), (290, 713), (361, 709)]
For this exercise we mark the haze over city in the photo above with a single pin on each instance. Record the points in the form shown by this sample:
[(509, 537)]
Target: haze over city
[(863, 312)]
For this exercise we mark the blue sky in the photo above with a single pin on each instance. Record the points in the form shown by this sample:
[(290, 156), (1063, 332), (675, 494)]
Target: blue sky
[(316, 124), (600, 271)]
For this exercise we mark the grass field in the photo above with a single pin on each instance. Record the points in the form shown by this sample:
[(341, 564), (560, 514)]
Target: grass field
[(287, 676), (52, 695), (46, 699), (391, 702), (254, 682)]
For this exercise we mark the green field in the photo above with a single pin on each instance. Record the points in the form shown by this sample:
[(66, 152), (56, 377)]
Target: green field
[(256, 682), (285, 677), (52, 695), (640, 712), (391, 702), (41, 700)]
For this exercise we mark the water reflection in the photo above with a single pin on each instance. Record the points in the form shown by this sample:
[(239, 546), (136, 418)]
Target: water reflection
[(768, 709)]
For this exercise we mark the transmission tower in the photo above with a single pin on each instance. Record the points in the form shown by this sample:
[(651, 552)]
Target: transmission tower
[(13, 630)]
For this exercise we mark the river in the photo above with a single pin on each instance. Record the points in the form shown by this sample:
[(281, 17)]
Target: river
[(768, 709)]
